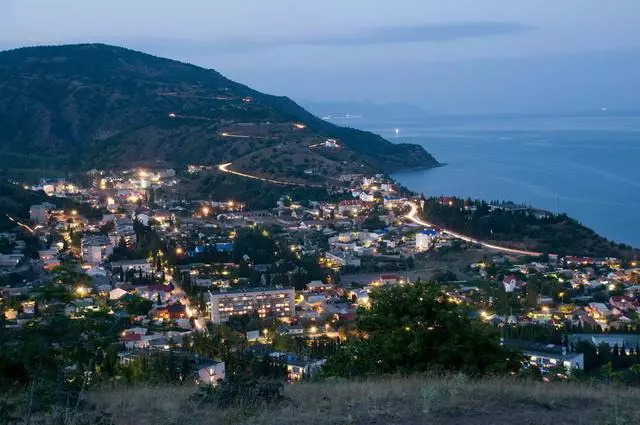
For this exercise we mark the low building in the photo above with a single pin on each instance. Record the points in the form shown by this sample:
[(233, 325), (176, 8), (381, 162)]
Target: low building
[(10, 260), (39, 214), (425, 239), (126, 265), (240, 302), (95, 248), (211, 373)]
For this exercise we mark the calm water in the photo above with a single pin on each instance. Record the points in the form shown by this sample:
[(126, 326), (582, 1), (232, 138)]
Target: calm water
[(588, 167)]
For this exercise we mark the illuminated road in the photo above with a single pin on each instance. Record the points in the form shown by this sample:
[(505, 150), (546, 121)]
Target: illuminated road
[(24, 226), (225, 169), (413, 216)]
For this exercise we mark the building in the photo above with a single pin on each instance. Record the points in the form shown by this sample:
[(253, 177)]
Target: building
[(39, 214), (211, 373), (10, 260), (549, 359), (95, 248), (266, 302), (511, 283), (547, 356), (424, 239), (126, 265)]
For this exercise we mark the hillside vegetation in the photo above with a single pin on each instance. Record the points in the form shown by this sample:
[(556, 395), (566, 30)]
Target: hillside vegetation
[(451, 399), (83, 106)]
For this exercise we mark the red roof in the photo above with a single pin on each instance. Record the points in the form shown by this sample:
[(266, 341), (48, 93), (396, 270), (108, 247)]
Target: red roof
[(131, 337)]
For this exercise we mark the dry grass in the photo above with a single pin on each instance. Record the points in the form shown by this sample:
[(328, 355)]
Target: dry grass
[(395, 400)]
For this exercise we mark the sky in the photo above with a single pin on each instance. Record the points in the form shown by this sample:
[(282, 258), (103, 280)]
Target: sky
[(447, 56)]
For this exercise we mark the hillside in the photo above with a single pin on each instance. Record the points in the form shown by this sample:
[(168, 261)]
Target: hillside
[(15, 202), (392, 400), (83, 106)]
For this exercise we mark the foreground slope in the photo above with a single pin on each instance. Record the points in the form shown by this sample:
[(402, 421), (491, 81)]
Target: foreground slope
[(82, 106), (401, 401)]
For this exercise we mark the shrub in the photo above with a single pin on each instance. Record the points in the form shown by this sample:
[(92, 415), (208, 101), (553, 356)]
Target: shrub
[(242, 391)]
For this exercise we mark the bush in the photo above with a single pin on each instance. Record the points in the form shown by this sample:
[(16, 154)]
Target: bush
[(242, 391)]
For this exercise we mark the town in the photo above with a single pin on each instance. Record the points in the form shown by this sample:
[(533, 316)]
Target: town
[(213, 287)]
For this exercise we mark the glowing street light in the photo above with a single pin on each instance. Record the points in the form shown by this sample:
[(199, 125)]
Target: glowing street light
[(205, 211)]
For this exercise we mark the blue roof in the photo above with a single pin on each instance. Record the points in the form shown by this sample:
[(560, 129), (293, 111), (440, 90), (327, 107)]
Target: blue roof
[(429, 232)]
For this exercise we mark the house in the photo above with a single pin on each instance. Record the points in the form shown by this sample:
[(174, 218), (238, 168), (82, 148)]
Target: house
[(126, 265), (424, 239), (547, 356), (156, 292), (599, 311), (511, 283), (290, 330), (211, 373), (390, 279), (299, 367), (623, 303), (95, 248), (117, 293), (170, 312), (317, 285)]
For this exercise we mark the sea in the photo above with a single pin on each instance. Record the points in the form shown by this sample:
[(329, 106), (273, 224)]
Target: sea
[(587, 166)]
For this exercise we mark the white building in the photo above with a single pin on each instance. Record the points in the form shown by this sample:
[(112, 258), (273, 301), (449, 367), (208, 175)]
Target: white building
[(266, 302), (211, 373), (96, 248), (425, 239)]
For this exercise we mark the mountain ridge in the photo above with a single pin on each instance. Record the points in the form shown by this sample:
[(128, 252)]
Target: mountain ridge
[(92, 105)]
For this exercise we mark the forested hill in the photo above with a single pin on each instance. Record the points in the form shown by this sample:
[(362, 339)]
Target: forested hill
[(92, 105)]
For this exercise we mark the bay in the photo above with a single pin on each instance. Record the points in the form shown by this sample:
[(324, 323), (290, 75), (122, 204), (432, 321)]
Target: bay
[(585, 166)]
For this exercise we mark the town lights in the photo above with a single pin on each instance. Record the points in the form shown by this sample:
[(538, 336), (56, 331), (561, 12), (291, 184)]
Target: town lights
[(231, 204), (74, 212), (179, 251), (205, 211)]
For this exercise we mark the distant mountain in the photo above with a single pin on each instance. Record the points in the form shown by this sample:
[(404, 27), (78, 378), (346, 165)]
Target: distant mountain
[(83, 106)]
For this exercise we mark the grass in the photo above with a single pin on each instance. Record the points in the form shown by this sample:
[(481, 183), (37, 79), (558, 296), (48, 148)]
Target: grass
[(452, 399)]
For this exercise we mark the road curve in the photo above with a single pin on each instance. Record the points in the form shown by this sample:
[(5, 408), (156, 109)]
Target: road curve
[(225, 169), (413, 217)]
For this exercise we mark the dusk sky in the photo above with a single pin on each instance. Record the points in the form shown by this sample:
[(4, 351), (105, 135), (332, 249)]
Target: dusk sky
[(463, 56)]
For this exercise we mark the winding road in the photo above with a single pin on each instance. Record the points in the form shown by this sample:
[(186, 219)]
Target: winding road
[(413, 217), (225, 169)]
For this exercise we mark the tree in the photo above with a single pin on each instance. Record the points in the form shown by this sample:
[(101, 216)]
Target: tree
[(415, 328)]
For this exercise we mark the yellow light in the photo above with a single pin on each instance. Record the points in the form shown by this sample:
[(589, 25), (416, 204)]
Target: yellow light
[(231, 204), (74, 212), (205, 211), (111, 201), (81, 290), (265, 331), (612, 287), (179, 251), (313, 329)]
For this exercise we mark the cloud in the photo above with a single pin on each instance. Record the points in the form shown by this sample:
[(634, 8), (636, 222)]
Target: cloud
[(434, 33)]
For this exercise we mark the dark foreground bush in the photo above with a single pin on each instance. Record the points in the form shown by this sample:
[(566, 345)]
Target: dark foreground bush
[(240, 391)]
